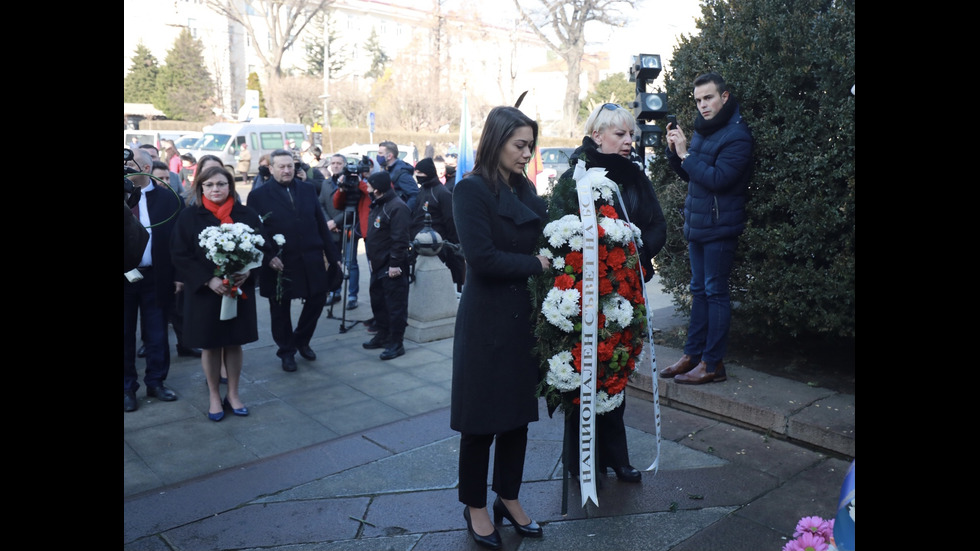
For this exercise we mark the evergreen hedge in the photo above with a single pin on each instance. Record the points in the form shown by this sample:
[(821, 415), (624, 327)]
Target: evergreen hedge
[(790, 64)]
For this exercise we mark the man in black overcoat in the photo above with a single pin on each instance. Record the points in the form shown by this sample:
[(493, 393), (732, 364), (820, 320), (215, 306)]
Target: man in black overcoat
[(148, 289), (290, 207)]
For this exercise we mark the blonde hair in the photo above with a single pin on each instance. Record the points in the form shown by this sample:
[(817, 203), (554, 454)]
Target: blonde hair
[(602, 118)]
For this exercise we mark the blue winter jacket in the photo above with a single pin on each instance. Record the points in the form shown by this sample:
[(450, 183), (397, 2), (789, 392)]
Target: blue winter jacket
[(403, 181), (717, 172)]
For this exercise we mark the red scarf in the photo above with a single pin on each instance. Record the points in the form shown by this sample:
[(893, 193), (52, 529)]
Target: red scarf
[(221, 212)]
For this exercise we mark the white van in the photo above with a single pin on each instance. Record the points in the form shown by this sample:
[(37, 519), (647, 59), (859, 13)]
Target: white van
[(225, 139)]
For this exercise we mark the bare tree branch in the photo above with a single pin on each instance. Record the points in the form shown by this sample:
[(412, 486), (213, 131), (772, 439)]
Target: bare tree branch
[(284, 22), (566, 20)]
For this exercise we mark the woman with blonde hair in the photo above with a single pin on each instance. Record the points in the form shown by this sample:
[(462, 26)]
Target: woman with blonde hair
[(608, 144)]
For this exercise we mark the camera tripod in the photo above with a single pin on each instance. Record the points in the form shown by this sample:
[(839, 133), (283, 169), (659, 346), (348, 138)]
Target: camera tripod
[(346, 249)]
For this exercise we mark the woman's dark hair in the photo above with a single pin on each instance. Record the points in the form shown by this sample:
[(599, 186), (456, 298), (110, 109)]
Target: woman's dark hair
[(204, 160), (191, 193), (501, 124), (209, 172)]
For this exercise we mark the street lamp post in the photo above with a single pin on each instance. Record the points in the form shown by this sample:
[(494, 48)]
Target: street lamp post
[(326, 87)]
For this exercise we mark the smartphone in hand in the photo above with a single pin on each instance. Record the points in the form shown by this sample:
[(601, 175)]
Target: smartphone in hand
[(671, 122)]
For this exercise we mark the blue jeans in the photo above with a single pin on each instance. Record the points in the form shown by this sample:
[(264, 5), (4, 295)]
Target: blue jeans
[(711, 307), (353, 285)]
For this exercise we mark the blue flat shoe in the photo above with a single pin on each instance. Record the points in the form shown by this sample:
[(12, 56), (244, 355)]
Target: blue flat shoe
[(240, 411), (216, 416)]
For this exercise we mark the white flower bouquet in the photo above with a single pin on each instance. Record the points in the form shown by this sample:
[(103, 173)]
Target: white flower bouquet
[(234, 249)]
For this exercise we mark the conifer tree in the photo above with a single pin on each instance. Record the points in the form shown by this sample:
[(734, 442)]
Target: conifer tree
[(140, 83), (255, 84), (185, 89)]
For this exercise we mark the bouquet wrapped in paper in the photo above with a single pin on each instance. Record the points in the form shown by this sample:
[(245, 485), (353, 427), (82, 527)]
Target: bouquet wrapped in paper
[(234, 249)]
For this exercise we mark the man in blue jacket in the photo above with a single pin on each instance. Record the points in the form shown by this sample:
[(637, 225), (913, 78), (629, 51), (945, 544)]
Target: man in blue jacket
[(402, 174), (717, 167)]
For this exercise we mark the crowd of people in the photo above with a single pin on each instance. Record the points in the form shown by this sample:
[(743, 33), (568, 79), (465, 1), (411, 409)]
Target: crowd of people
[(312, 211)]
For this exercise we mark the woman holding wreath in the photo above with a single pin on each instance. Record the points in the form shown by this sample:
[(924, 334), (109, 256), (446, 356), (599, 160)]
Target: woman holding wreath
[(607, 145), (498, 220)]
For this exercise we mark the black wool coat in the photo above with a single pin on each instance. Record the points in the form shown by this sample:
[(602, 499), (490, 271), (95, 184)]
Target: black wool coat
[(304, 225), (437, 201), (202, 307), (494, 372)]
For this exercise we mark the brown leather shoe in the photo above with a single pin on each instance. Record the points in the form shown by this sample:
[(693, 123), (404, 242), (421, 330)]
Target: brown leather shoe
[(700, 375), (683, 365)]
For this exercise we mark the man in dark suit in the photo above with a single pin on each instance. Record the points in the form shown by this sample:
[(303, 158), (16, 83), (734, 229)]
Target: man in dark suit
[(148, 289), (290, 207)]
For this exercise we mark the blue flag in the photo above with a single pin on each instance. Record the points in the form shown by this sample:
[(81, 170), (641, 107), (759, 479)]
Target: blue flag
[(466, 157), (844, 524)]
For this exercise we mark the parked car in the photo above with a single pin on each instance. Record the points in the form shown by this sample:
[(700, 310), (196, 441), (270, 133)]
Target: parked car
[(188, 141), (150, 137), (354, 151), (554, 160)]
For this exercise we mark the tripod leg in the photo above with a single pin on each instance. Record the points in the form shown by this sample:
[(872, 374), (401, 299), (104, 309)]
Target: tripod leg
[(346, 245)]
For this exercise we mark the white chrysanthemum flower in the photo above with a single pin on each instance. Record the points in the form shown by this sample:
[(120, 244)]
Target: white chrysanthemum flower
[(558, 263), (559, 232), (617, 310), (637, 235), (606, 403), (560, 306), (603, 189), (279, 239), (561, 374), (576, 242), (616, 230)]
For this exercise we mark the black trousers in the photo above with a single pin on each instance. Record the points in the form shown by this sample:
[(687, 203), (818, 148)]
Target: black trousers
[(280, 318), (474, 465), (389, 305), (610, 433)]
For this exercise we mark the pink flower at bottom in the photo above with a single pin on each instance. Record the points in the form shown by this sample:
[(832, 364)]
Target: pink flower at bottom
[(812, 525), (807, 542)]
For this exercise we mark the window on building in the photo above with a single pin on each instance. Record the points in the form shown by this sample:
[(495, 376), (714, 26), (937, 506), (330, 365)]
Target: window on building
[(192, 26)]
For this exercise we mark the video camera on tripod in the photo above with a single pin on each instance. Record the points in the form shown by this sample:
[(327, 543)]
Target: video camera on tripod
[(349, 183), (352, 175)]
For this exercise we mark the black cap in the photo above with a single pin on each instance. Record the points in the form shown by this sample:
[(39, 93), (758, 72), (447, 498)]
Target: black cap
[(380, 181), (426, 166)]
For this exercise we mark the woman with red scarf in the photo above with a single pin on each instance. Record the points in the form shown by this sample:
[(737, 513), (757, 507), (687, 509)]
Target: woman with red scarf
[(215, 205)]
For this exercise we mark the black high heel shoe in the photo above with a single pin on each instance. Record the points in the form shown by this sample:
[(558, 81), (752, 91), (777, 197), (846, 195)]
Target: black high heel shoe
[(529, 530), (491, 542)]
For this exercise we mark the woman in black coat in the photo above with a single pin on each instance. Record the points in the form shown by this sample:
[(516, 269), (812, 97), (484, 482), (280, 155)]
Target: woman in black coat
[(499, 219), (608, 144), (203, 327)]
